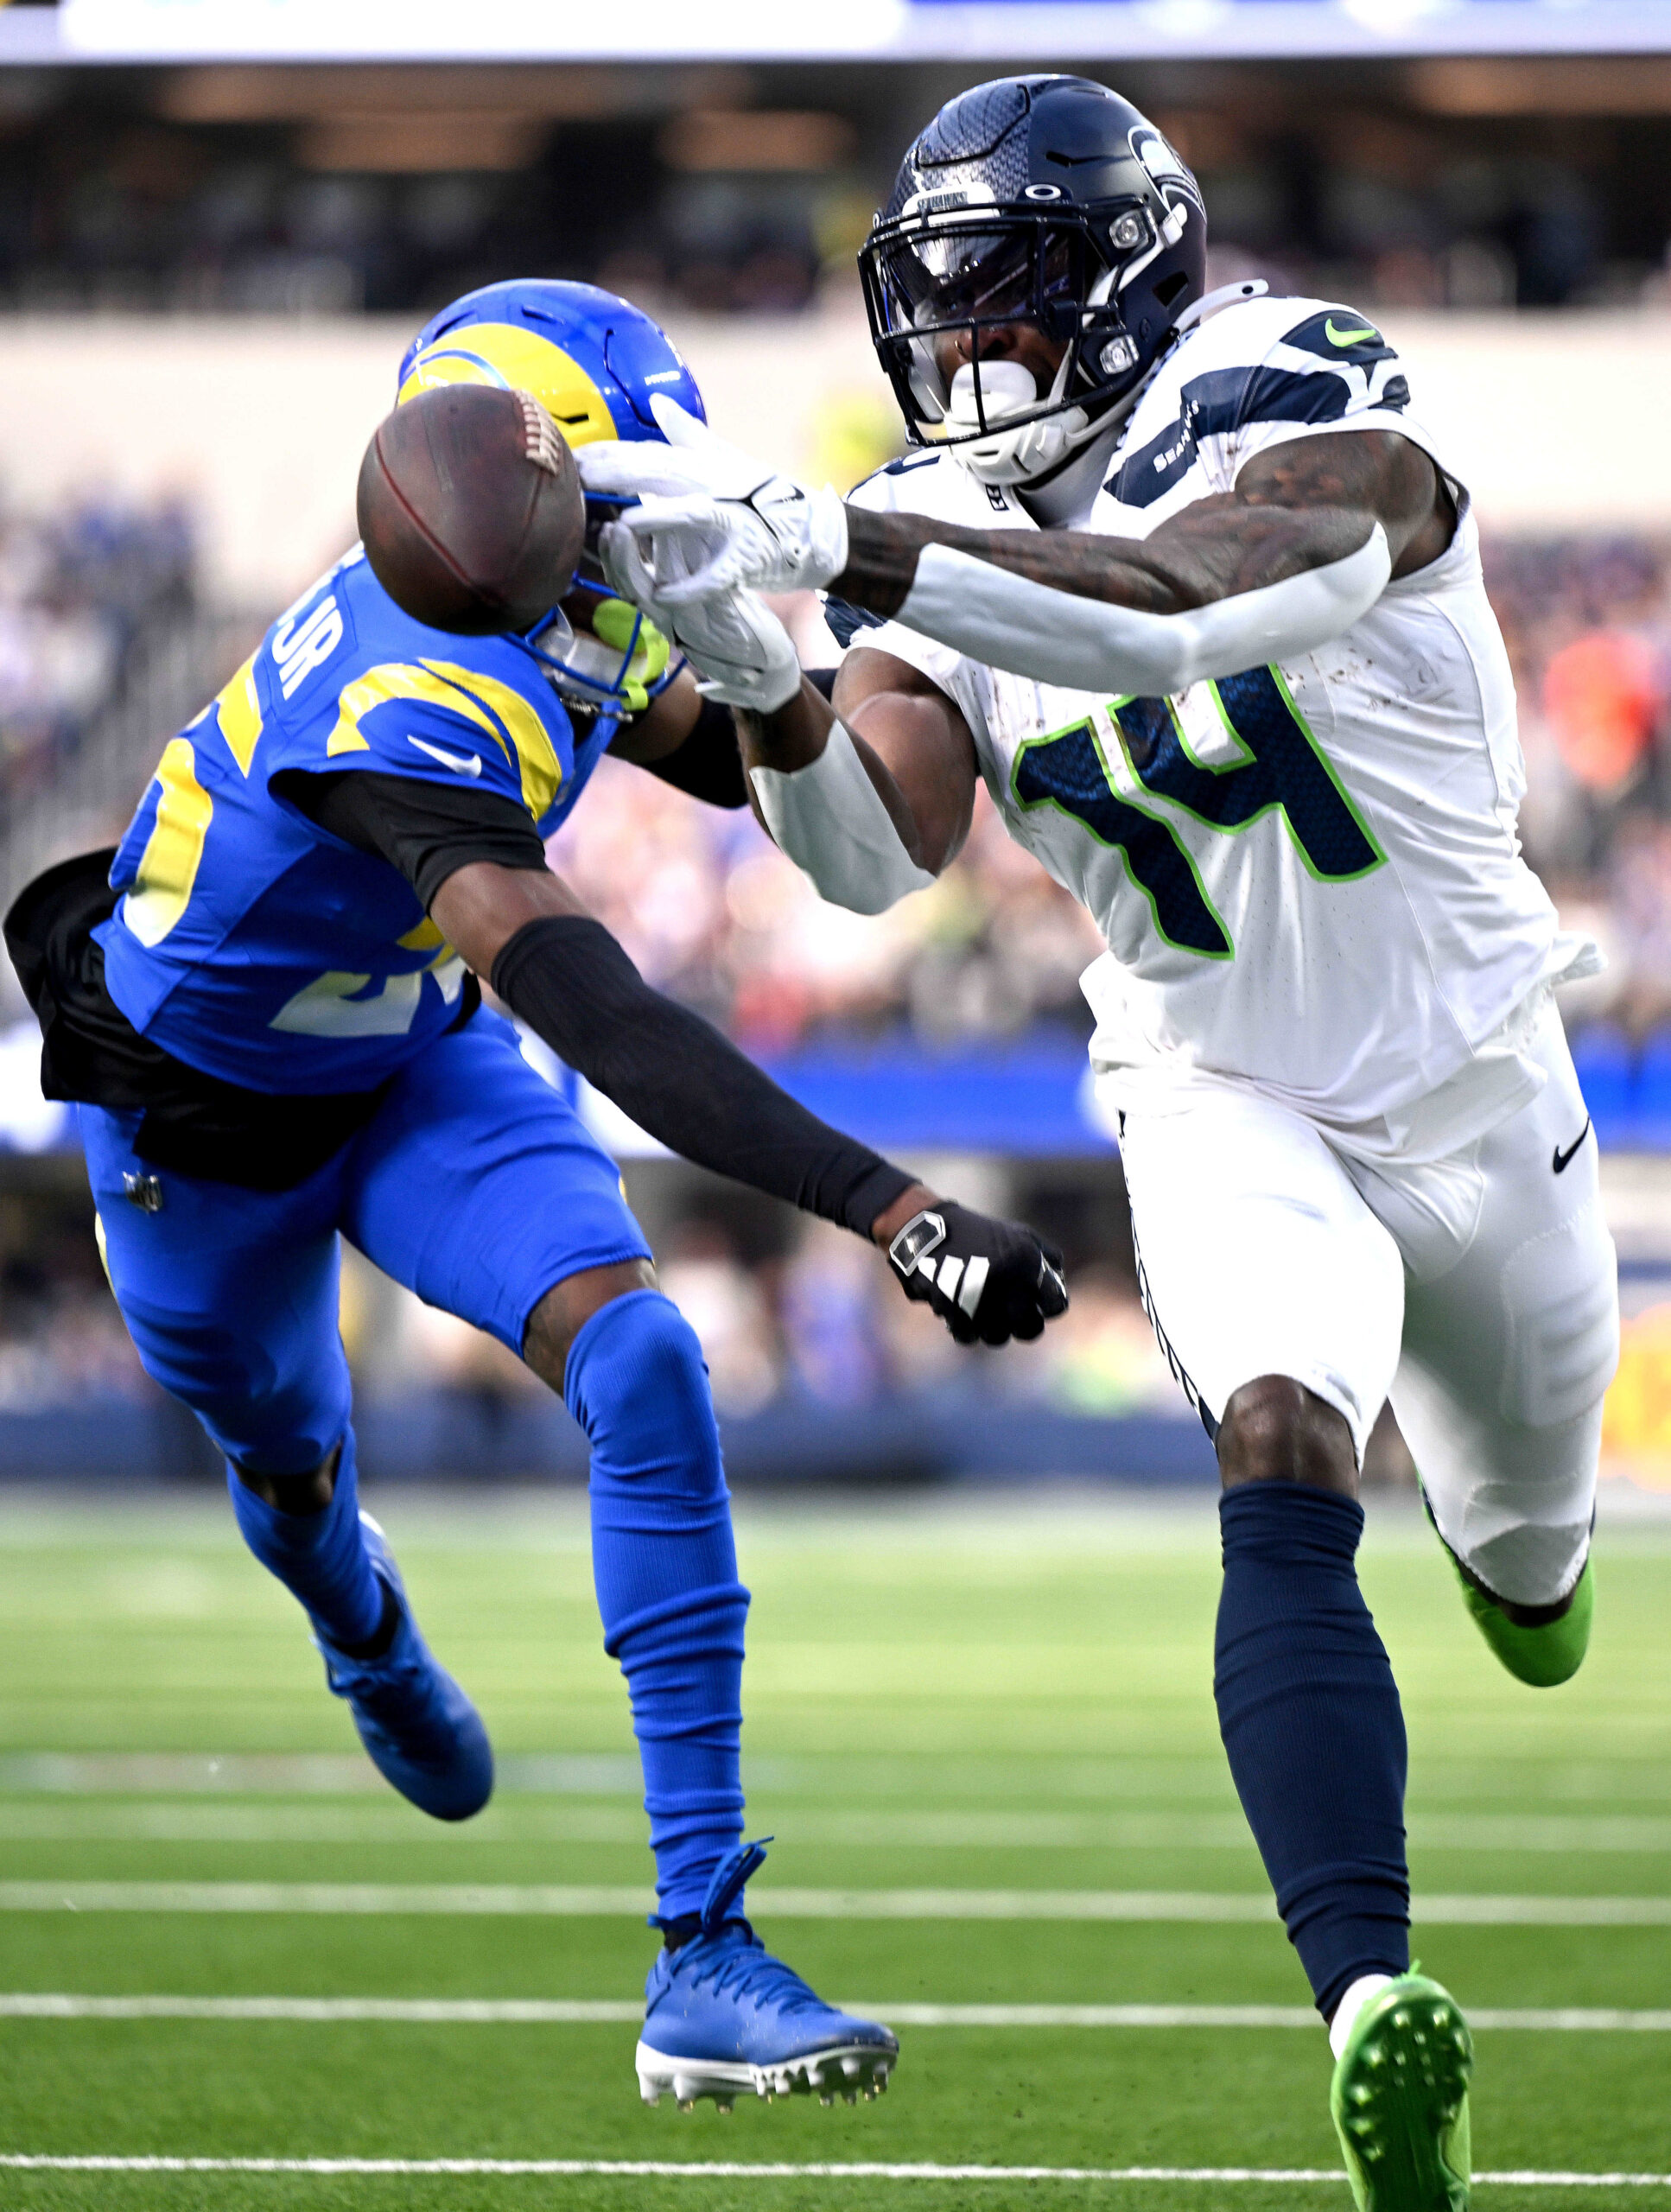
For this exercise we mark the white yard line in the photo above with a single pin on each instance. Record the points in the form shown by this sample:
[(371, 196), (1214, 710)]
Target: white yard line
[(540, 2011), (606, 1900), (451, 2011), (383, 1825), (714, 2170), (1126, 1780), (972, 1830)]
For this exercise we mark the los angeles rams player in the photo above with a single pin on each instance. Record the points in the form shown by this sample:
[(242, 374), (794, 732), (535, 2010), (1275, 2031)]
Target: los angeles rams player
[(266, 1001), (1185, 580)]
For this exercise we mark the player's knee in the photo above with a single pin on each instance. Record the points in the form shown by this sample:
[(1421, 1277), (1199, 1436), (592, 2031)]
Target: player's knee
[(302, 1494), (568, 1305), (1275, 1430), (638, 1385)]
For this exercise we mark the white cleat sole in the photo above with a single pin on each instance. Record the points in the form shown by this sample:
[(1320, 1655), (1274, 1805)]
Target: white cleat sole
[(846, 2070)]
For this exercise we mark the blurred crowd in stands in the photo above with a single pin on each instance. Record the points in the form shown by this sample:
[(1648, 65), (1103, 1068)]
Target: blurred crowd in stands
[(789, 1311), (1588, 628), (61, 1339), (321, 191), (79, 590)]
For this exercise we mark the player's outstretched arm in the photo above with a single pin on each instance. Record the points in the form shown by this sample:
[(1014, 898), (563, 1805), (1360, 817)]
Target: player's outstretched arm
[(1299, 549), (566, 976), (1304, 506)]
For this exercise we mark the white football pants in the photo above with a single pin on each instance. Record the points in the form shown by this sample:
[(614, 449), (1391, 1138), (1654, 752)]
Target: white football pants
[(1479, 1292)]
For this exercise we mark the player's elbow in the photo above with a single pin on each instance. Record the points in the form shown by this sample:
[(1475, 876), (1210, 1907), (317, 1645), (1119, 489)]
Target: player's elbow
[(856, 849), (874, 897), (860, 882), (481, 906)]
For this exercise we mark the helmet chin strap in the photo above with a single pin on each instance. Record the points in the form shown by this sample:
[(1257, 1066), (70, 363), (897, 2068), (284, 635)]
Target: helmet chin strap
[(1064, 497)]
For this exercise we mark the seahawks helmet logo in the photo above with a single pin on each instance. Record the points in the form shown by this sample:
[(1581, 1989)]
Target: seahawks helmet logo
[(1172, 179)]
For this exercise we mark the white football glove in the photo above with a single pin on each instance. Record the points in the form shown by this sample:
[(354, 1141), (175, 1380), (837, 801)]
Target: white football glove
[(709, 518), (741, 653)]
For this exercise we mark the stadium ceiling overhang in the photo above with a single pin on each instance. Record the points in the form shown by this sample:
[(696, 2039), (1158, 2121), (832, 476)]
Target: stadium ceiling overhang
[(899, 30)]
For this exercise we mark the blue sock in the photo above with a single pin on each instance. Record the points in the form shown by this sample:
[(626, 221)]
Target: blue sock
[(1310, 1716), (665, 1569), (319, 1557)]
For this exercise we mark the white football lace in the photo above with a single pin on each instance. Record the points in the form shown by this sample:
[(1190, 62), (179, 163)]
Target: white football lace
[(542, 439)]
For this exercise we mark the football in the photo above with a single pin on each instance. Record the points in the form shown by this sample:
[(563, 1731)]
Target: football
[(470, 508)]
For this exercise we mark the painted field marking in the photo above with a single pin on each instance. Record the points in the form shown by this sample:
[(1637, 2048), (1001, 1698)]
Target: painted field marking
[(973, 1829), (382, 1824), (296, 1774), (1030, 1778), (715, 2170), (562, 2012), (595, 1900)]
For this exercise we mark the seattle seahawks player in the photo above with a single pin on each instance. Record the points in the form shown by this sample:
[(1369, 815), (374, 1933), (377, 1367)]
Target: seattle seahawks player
[(266, 1001), (1183, 579)]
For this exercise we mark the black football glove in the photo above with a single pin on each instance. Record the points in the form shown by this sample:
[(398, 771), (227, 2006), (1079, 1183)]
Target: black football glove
[(988, 1280)]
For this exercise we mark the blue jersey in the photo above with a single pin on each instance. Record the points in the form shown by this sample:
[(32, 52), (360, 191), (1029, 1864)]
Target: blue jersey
[(251, 943)]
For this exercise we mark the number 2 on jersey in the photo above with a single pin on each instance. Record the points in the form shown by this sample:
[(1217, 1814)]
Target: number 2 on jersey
[(1279, 766)]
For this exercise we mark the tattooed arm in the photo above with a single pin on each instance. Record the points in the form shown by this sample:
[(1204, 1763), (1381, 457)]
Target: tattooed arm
[(1297, 506), (1298, 552)]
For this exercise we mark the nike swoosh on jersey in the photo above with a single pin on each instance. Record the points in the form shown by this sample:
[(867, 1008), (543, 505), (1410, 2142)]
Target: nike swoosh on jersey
[(1564, 1160), (466, 765), (1348, 337)]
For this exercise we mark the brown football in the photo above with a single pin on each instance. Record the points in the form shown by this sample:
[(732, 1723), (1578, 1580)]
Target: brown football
[(470, 510)]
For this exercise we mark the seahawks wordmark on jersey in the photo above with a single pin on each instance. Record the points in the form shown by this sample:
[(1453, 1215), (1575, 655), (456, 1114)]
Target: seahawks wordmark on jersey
[(1308, 876)]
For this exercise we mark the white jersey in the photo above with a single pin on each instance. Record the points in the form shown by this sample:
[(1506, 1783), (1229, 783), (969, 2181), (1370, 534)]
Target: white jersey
[(1307, 875)]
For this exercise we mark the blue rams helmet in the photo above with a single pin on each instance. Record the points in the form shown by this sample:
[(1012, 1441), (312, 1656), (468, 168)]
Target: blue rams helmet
[(1047, 201), (593, 361)]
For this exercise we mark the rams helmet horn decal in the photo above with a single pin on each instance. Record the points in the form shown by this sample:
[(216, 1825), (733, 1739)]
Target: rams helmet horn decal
[(593, 360)]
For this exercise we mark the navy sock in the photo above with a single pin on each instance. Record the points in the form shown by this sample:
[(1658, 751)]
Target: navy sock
[(1310, 1716), (666, 1567), (321, 1557)]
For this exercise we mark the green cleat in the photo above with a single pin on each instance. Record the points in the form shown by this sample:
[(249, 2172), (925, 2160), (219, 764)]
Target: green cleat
[(1535, 1649), (1399, 2100)]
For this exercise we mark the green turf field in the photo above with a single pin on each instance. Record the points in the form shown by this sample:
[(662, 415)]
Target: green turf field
[(990, 1726)]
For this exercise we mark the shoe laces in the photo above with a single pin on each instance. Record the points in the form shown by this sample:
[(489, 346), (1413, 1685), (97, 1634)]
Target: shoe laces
[(731, 1959), (727, 1954)]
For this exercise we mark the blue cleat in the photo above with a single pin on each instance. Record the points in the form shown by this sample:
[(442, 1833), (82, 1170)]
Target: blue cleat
[(421, 1731), (723, 2016)]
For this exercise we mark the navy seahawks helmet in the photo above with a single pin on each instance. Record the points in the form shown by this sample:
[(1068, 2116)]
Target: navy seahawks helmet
[(1047, 201)]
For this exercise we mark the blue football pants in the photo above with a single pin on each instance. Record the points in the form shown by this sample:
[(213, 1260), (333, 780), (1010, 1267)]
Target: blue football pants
[(476, 1186)]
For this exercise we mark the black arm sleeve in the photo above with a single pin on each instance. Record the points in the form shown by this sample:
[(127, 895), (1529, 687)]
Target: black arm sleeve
[(678, 1078), (708, 764), (428, 831)]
